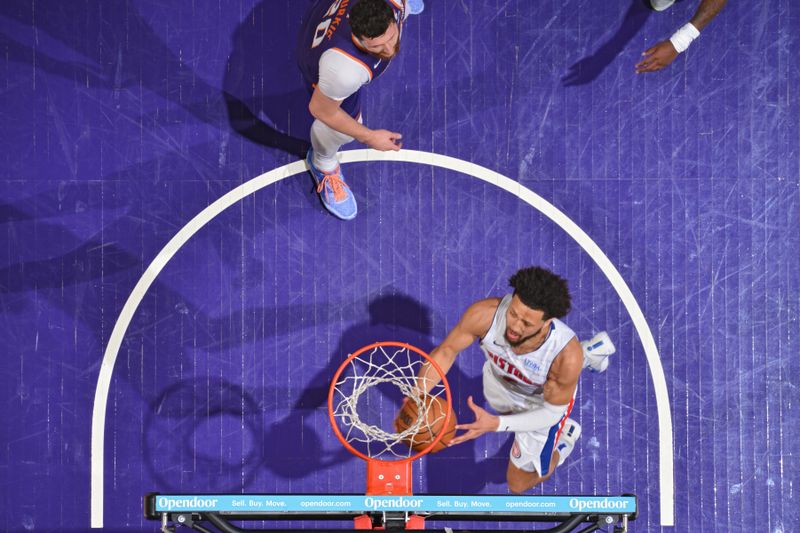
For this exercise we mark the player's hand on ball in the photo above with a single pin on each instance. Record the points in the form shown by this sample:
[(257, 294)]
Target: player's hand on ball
[(657, 57), (485, 422), (384, 140)]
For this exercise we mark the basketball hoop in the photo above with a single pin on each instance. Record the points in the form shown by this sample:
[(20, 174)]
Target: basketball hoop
[(366, 393)]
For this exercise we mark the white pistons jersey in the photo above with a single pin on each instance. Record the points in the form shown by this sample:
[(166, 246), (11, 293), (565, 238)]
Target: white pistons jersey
[(523, 374)]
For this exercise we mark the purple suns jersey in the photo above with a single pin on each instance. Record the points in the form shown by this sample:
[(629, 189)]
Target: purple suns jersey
[(326, 27)]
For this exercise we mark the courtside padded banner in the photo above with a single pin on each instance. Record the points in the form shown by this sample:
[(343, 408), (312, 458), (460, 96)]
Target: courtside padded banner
[(322, 503)]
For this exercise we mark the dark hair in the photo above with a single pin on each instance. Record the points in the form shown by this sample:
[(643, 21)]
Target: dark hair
[(370, 18), (540, 289)]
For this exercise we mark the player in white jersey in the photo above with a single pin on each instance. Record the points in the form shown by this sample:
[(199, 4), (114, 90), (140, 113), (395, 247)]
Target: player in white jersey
[(533, 361)]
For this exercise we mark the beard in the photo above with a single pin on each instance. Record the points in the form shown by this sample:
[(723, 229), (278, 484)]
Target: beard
[(387, 57), (521, 340)]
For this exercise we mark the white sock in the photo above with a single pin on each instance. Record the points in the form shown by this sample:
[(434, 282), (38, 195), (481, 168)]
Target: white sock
[(566, 442)]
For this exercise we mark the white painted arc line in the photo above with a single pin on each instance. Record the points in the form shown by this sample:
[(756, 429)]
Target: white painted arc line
[(666, 476), (666, 466), (132, 303)]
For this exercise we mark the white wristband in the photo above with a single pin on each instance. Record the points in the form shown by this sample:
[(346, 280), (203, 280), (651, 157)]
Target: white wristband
[(539, 418), (682, 38)]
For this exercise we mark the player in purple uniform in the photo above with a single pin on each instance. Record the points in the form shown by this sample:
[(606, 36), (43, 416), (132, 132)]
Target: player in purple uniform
[(663, 53), (344, 45)]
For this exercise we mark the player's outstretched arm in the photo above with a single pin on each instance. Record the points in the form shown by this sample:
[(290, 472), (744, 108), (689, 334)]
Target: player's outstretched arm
[(475, 321), (662, 54)]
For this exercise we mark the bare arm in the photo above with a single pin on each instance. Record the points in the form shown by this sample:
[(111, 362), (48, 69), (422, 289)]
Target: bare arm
[(475, 321), (706, 11), (663, 53), (562, 380), (330, 112)]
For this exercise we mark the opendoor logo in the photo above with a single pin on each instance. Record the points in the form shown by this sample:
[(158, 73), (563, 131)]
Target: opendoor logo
[(168, 504), (599, 504), (378, 504)]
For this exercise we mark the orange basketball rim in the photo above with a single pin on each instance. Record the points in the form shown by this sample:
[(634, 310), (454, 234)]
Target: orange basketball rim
[(395, 363)]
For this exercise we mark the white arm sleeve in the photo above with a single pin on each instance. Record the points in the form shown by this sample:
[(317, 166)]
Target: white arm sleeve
[(540, 418), (340, 75)]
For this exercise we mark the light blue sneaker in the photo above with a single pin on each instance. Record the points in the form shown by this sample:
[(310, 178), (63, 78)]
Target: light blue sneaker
[(415, 7), (336, 196)]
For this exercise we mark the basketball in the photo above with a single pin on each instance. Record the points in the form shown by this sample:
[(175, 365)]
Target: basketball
[(436, 411)]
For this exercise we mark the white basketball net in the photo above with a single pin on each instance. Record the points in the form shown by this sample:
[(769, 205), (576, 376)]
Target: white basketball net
[(398, 366)]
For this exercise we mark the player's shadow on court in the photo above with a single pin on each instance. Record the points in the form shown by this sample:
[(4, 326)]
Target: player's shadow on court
[(473, 474), (132, 55), (395, 317), (262, 91), (266, 98), (587, 69), (203, 434), (392, 317)]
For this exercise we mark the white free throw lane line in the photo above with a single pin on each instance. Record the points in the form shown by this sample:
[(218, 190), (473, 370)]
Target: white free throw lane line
[(665, 445)]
